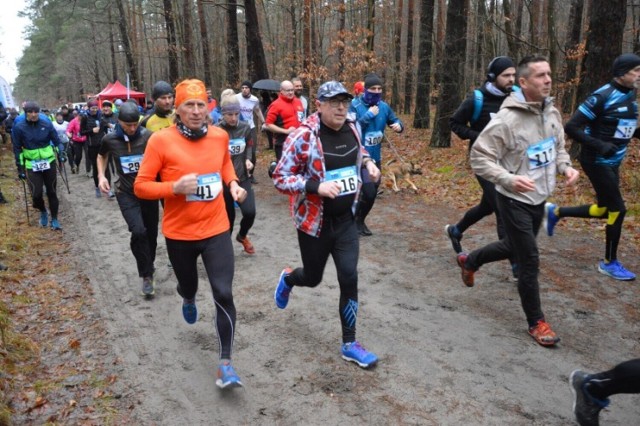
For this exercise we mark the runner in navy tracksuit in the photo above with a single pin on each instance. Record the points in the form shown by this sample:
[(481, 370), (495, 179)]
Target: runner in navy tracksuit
[(603, 125)]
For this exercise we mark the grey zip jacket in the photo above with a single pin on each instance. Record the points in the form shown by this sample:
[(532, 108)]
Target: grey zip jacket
[(524, 138)]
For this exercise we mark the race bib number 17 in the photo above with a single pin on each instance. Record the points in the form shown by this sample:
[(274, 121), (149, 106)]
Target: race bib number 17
[(209, 187)]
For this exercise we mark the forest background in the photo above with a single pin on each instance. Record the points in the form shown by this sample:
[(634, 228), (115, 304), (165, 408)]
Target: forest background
[(430, 52)]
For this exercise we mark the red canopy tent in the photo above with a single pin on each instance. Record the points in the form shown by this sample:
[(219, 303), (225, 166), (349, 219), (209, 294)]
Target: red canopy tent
[(107, 88), (118, 91)]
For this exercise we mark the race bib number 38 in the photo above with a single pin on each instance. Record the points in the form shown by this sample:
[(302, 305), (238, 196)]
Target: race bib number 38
[(347, 178), (209, 187), (130, 163), (542, 154)]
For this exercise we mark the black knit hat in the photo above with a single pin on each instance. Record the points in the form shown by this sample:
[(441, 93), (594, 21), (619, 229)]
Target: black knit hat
[(497, 67), (161, 88), (372, 80), (129, 113), (625, 63), (247, 83)]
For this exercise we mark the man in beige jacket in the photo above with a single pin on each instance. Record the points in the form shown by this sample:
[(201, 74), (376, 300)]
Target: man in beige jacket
[(521, 150)]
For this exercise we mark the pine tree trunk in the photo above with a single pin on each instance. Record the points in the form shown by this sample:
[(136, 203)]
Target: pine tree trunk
[(126, 44), (422, 117), (233, 48), (256, 62), (172, 43), (452, 72), (604, 43), (409, 67)]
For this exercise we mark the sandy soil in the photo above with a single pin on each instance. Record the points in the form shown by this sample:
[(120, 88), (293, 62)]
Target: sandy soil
[(449, 355)]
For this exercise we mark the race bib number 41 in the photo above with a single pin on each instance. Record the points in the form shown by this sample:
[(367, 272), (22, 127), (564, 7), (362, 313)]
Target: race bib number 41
[(347, 178), (130, 163), (40, 165), (209, 187), (542, 154)]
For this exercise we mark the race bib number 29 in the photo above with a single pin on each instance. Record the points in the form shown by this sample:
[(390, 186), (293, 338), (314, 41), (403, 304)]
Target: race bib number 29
[(542, 153), (347, 178), (209, 187), (130, 163)]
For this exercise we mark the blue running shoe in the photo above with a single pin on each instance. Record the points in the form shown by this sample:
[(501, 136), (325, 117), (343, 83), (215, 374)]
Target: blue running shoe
[(550, 217), (455, 236), (281, 295), (615, 270), (227, 377), (55, 225), (189, 311), (355, 352), (44, 218)]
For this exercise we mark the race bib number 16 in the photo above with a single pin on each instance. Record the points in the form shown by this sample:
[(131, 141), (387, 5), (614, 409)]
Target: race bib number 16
[(209, 187), (347, 178)]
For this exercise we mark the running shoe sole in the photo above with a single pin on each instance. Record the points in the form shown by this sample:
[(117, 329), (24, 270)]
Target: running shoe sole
[(361, 364)]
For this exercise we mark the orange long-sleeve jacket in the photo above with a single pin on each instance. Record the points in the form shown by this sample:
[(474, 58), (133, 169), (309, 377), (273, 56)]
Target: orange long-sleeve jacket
[(171, 156)]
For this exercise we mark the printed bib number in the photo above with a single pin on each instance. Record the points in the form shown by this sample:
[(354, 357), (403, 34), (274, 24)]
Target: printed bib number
[(372, 138), (40, 165), (625, 129), (130, 163), (347, 178), (209, 187), (237, 146), (542, 153)]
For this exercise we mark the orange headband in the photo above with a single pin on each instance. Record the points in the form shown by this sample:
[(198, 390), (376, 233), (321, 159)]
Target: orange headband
[(190, 89)]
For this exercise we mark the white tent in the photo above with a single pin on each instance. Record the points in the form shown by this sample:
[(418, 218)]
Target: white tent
[(5, 94)]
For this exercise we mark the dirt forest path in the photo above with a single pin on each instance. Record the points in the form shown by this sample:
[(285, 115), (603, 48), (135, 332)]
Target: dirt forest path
[(449, 355)]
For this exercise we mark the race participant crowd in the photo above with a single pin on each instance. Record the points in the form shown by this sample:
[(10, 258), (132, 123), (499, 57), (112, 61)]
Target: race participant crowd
[(195, 158)]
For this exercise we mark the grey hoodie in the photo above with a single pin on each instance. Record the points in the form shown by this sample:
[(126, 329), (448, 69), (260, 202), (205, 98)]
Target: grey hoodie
[(524, 138)]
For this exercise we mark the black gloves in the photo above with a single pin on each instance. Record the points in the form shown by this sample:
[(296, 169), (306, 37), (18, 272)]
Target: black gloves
[(608, 149)]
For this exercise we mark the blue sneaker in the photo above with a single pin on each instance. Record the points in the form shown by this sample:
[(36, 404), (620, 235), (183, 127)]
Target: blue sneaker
[(98, 193), (55, 225), (354, 352), (44, 219), (615, 270), (550, 217), (227, 377), (189, 311), (455, 236), (281, 295)]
